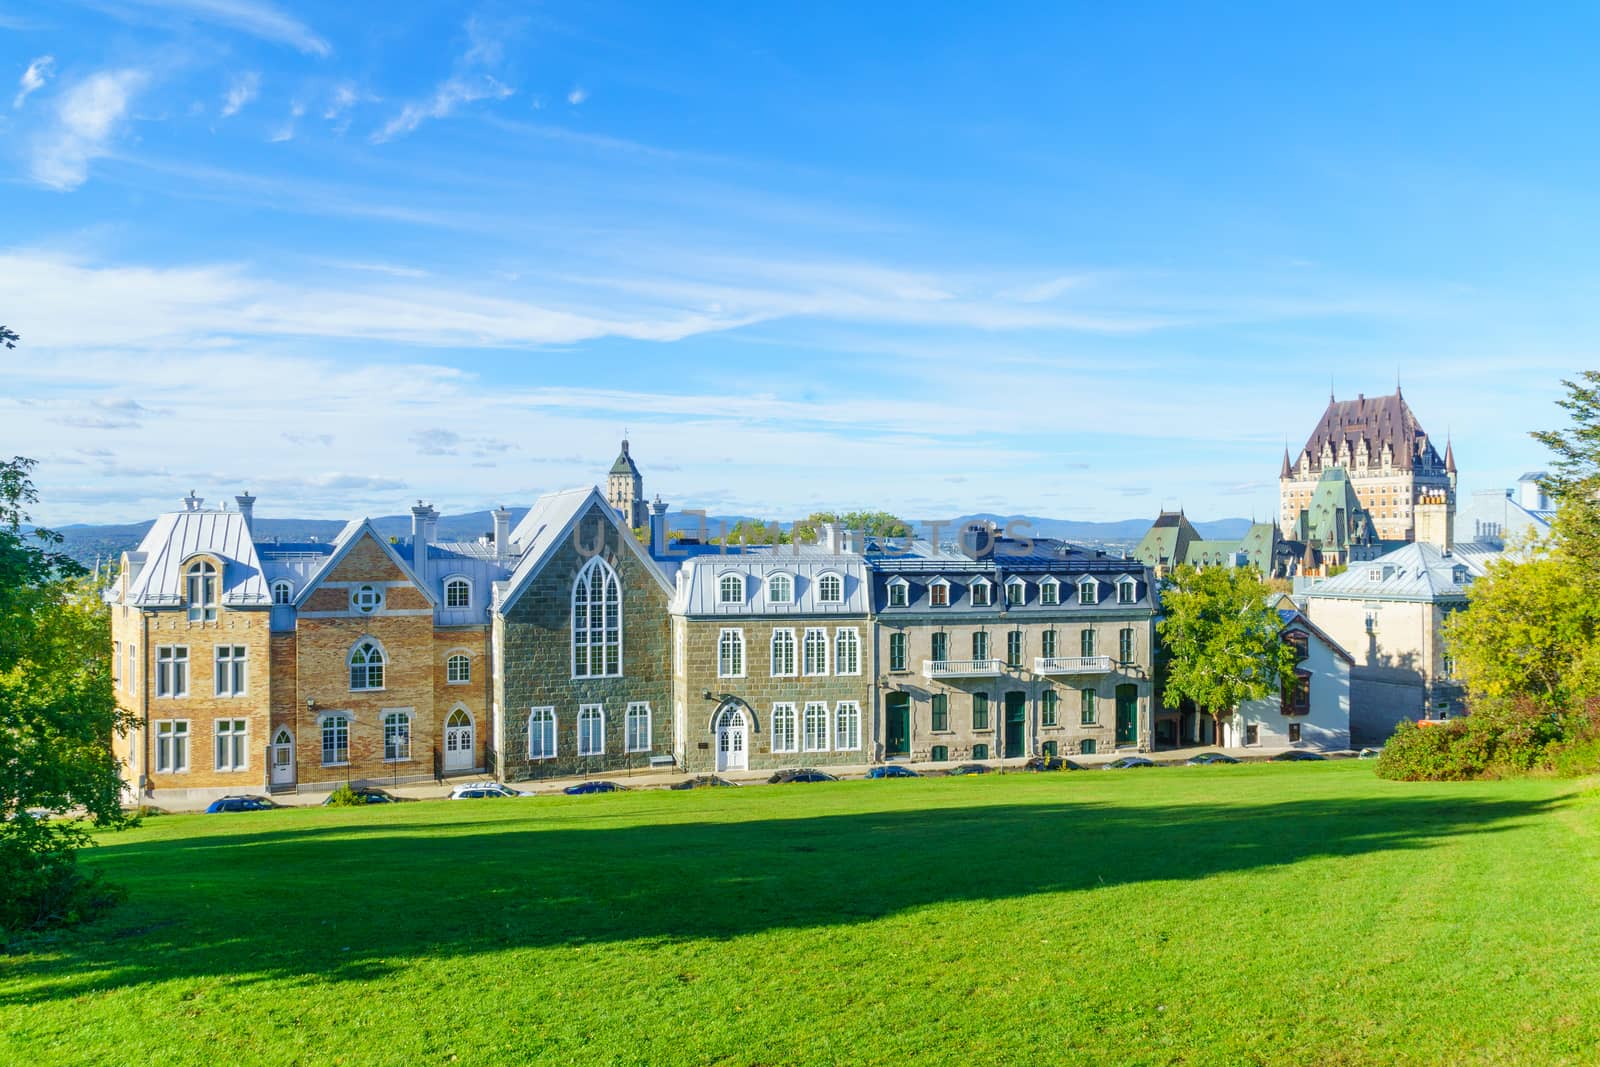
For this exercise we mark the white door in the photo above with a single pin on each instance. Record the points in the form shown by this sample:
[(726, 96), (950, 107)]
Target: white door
[(282, 757), (731, 736), (458, 741)]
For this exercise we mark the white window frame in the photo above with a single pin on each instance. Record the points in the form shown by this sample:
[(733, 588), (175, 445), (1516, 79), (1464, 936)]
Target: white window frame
[(546, 719), (450, 661), (636, 737), (323, 723), (730, 589), (235, 734), (730, 645), (988, 593), (384, 723), (366, 599), (176, 735), (1090, 585), (1016, 583), (591, 713), (810, 742), (1127, 590), (899, 592), (808, 666), (791, 668), (785, 728), (786, 577), (1050, 592), (847, 660), (822, 587), (172, 671), (203, 574), (939, 583), (590, 636), (382, 665), (286, 588), (847, 726), (230, 665), (453, 580)]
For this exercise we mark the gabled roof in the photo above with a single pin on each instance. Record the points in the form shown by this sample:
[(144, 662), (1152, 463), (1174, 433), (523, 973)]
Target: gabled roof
[(1379, 421), (548, 524), (1294, 617), (348, 538), (1415, 572), (178, 536)]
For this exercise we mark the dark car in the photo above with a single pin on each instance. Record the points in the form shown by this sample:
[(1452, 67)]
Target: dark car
[(1295, 755), (1369, 753), (583, 789), (368, 794), (1051, 763), (700, 782), (240, 804), (971, 768), (1205, 759), (1127, 763), (892, 770), (803, 775)]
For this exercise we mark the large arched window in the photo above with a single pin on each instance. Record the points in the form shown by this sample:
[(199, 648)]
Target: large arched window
[(201, 587), (366, 665), (458, 669), (542, 733), (596, 621)]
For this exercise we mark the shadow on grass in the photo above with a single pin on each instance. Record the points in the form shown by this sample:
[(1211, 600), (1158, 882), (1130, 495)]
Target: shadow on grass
[(354, 903)]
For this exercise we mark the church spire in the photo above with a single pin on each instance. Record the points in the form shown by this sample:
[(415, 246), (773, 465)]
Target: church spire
[(1449, 456), (1287, 471)]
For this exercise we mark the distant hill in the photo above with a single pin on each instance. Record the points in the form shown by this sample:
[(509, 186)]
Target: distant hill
[(86, 543)]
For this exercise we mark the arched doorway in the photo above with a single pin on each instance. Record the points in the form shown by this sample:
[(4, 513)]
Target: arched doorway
[(458, 746), (282, 757), (733, 740)]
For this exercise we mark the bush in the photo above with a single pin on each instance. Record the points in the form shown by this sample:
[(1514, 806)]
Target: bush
[(344, 797), (43, 885), (1498, 738)]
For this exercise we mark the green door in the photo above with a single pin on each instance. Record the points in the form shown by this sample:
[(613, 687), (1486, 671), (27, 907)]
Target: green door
[(1127, 714), (1016, 720), (897, 724)]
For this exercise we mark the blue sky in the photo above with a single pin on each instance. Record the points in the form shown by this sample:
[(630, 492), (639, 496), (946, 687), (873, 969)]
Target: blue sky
[(1069, 261)]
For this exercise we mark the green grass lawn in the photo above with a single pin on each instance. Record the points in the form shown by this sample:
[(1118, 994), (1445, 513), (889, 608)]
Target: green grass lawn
[(1251, 914)]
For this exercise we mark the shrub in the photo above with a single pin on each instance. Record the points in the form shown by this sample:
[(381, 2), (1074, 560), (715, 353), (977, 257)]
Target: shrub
[(344, 797), (43, 885), (1499, 737)]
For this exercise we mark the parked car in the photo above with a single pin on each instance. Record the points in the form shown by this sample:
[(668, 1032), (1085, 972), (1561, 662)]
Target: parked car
[(971, 768), (1369, 753), (482, 790), (369, 794), (1205, 759), (583, 789), (805, 774), (1051, 763), (1126, 763), (701, 781), (224, 804), (1295, 755), (892, 770)]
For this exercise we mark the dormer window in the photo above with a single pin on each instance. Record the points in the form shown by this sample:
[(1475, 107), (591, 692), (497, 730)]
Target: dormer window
[(1050, 592), (457, 593), (830, 589), (1127, 590), (730, 590), (780, 589), (201, 587), (282, 592), (938, 593), (1016, 592), (981, 593), (1089, 591), (899, 592)]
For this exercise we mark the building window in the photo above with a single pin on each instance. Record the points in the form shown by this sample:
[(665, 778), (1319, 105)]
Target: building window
[(980, 645), (939, 712), (335, 740), (229, 736), (116, 663), (1297, 640), (133, 668), (638, 727), (1252, 734), (783, 653), (202, 592), (897, 651), (1050, 592), (591, 730), (1014, 648), (939, 754), (1087, 746), (730, 654), (1047, 644), (1088, 592), (172, 746), (1086, 713), (1086, 643), (596, 621), (897, 593), (396, 736), (980, 751), (784, 732), (458, 593), (814, 659), (939, 594), (980, 711), (1048, 749), (229, 673), (730, 590), (1048, 707), (1127, 591), (830, 589), (847, 651), (458, 669), (366, 666), (847, 726), (172, 671), (282, 592), (940, 644), (1297, 698), (980, 593), (1125, 645), (367, 599), (1294, 733), (780, 589), (542, 733), (816, 727), (1016, 592)]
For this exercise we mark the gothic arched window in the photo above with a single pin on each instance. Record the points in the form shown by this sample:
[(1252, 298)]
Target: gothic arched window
[(596, 621)]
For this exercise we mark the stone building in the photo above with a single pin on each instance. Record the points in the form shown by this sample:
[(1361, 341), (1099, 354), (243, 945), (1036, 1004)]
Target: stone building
[(625, 490), (1387, 458)]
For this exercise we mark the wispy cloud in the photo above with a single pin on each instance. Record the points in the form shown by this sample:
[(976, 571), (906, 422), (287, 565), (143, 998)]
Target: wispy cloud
[(578, 95), (243, 89), (33, 78), (254, 17), (87, 118), (472, 80), (285, 131)]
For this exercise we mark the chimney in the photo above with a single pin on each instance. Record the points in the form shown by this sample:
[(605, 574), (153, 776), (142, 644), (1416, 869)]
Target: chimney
[(247, 508), (419, 536), (828, 536), (192, 502), (1435, 517), (658, 528), (502, 532)]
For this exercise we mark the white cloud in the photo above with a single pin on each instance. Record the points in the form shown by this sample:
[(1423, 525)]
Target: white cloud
[(33, 78), (254, 17), (577, 96), (87, 118), (285, 132), (243, 89), (450, 95)]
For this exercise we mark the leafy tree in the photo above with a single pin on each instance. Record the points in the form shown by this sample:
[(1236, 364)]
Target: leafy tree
[(1222, 639), (1575, 483), (8, 337), (873, 523), (57, 716)]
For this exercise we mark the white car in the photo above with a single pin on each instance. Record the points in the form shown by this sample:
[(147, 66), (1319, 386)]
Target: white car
[(479, 790)]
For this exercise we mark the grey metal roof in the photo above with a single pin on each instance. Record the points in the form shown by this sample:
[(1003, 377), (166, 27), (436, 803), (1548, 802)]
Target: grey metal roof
[(548, 522), (157, 579), (699, 582), (1414, 572), (1034, 563)]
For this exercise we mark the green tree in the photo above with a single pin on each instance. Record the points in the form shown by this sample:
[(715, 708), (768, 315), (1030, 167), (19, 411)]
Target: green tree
[(1575, 483), (57, 717), (873, 523), (8, 337), (1222, 640)]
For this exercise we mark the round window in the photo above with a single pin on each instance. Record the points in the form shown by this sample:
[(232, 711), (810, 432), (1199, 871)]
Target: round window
[(367, 599)]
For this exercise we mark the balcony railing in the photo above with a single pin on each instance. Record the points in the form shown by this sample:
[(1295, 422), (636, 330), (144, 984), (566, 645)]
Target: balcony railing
[(1072, 664), (960, 668)]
